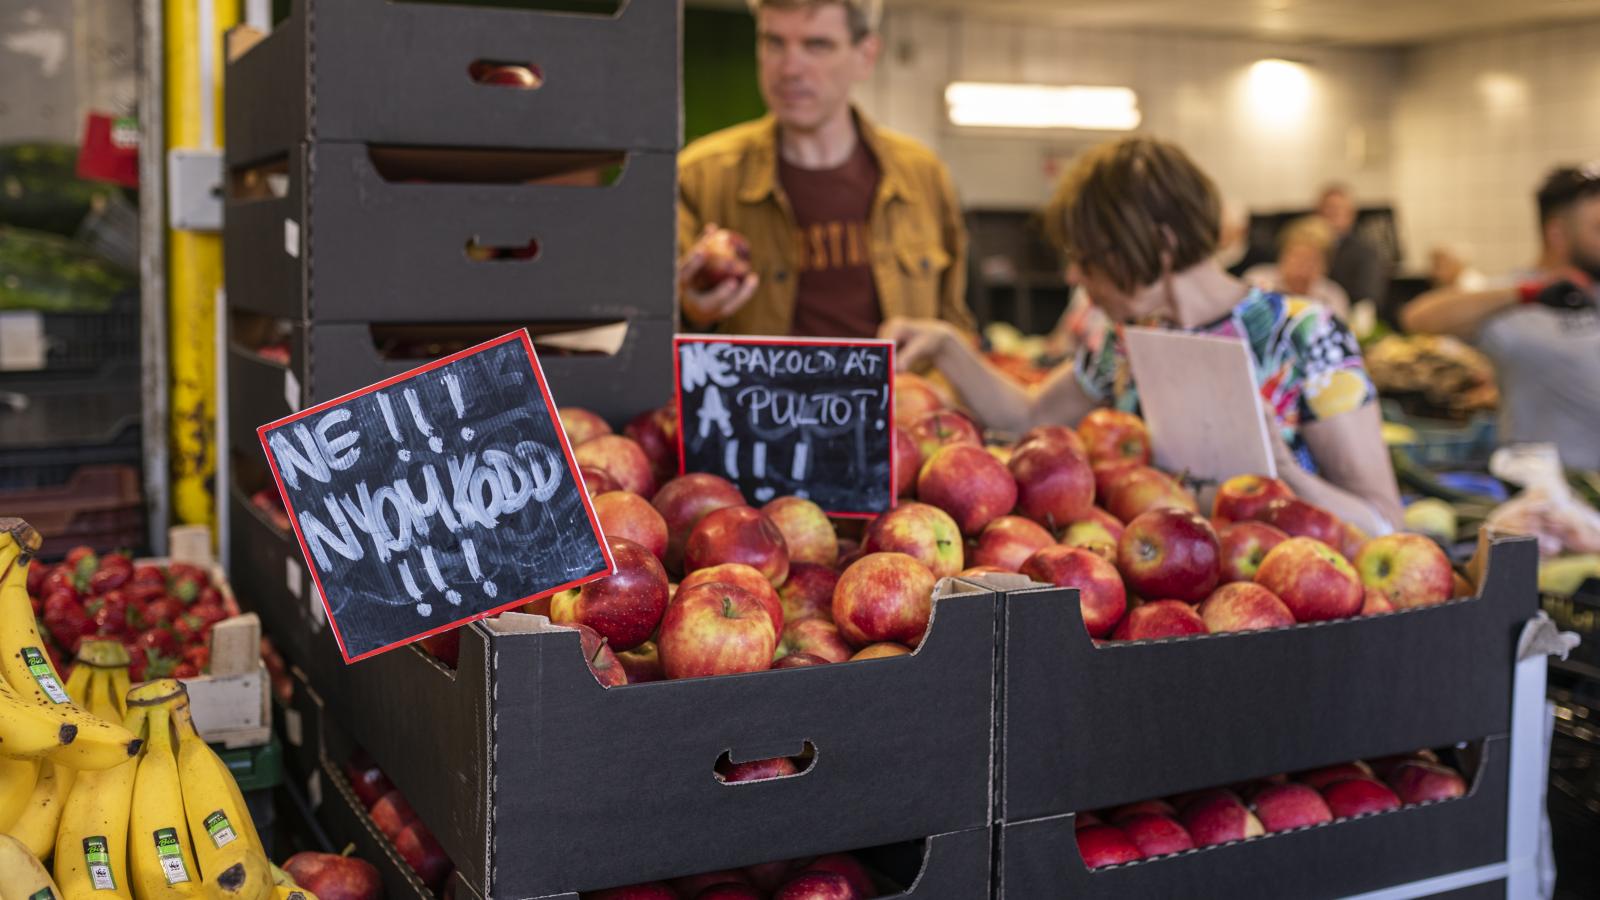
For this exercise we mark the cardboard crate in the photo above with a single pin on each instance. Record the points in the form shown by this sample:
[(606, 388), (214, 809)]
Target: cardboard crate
[(1084, 727), (1414, 844), (346, 233), (329, 360), (374, 70), (278, 585), (536, 748)]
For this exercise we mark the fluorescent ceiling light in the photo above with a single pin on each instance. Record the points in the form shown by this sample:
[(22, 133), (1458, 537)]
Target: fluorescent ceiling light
[(989, 105)]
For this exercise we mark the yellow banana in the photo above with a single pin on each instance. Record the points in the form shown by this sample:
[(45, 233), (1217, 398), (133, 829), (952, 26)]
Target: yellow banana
[(78, 682), (102, 700), (160, 860), (30, 730), (225, 838), (91, 861), (285, 892), (108, 692), (237, 872), (21, 876), (17, 779), (37, 826)]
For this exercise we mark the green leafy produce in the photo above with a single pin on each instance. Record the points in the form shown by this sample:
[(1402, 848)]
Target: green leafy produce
[(40, 188), (49, 273)]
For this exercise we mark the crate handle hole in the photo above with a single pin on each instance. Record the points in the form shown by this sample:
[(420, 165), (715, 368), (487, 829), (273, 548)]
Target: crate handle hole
[(478, 251), (770, 769), (519, 76)]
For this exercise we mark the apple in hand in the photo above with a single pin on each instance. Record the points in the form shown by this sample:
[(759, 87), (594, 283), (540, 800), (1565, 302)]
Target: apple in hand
[(624, 607), (1297, 518), (1156, 834), (1217, 817), (1312, 579), (1105, 845), (1243, 497), (969, 484), (1007, 542), (1419, 782), (933, 431), (335, 877), (1244, 546), (738, 534), (581, 425), (620, 458), (1244, 606), (1160, 619), (1141, 489), (816, 637), (808, 594), (1358, 796), (740, 575), (1110, 435), (628, 515), (642, 663), (914, 397), (755, 770), (1055, 485), (1284, 806), (725, 256), (851, 868), (1170, 553), (884, 597), (1408, 569), (923, 532), (806, 530), (601, 659), (907, 463), (1102, 598), (716, 629), (687, 499)]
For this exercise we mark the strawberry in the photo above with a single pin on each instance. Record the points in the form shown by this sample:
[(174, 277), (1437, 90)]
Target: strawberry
[(157, 665), (138, 661), (159, 640), (69, 626), (38, 605), (198, 656), (109, 578), (185, 670), (116, 560), (37, 573), (150, 575), (59, 578), (61, 601), (77, 555), (110, 614), (182, 575), (210, 613), (189, 628), (160, 611), (211, 595)]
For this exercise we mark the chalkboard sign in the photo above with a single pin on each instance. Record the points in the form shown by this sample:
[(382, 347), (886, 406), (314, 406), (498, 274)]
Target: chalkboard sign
[(436, 497), (812, 418)]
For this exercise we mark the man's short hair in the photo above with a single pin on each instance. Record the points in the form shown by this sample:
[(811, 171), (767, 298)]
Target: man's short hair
[(1313, 231), (1331, 188), (862, 16), (1564, 187)]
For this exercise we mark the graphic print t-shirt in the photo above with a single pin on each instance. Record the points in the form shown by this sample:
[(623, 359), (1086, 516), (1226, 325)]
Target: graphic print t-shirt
[(835, 293)]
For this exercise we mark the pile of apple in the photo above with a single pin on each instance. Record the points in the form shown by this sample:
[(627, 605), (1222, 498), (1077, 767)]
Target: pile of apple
[(1205, 818), (395, 819), (837, 876)]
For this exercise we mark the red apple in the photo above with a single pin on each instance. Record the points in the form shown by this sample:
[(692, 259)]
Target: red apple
[(1055, 485), (1358, 796), (1297, 518), (444, 646), (808, 594), (816, 886), (1109, 435), (1084, 820), (1312, 579), (628, 515), (755, 770), (730, 892), (1374, 602), (684, 501), (881, 651), (642, 663), (806, 529), (520, 77), (1102, 599), (1244, 606), (1408, 569), (913, 398), (392, 814), (738, 534), (601, 659), (816, 637), (1056, 433), (656, 433), (715, 629), (624, 607), (799, 661), (691, 886), (907, 463), (1421, 782), (1384, 766), (597, 481), (851, 868), (942, 428), (1244, 546), (980, 571), (581, 425), (1218, 817), (1007, 542), (335, 877), (969, 484), (884, 597), (925, 533), (655, 890), (1155, 834), (725, 256), (769, 876), (1160, 619), (1170, 553), (1106, 845), (366, 779), (1106, 476), (417, 846), (740, 575), (1095, 527), (1243, 497), (1284, 806), (1139, 490), (622, 459), (1143, 807), (1321, 778)]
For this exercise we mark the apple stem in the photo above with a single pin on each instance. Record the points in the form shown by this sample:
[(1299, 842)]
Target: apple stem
[(727, 607), (348, 849)]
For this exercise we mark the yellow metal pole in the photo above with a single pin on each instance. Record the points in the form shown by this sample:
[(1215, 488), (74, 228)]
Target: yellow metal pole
[(194, 57)]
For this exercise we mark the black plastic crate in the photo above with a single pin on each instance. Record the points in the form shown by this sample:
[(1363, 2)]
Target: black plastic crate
[(76, 343)]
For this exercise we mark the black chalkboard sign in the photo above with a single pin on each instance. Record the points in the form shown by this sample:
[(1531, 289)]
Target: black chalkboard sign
[(436, 497), (779, 416)]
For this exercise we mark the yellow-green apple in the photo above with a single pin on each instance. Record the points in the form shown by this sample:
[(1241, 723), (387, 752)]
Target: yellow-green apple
[(725, 256), (969, 484), (808, 594), (913, 398), (1003, 454), (1170, 553), (816, 886), (884, 597), (1409, 569), (943, 428), (642, 663), (1321, 778), (715, 629), (597, 481), (1281, 807), (924, 532), (818, 637), (628, 515), (1105, 845), (626, 606), (620, 458), (741, 575), (1060, 433), (1156, 835), (1096, 526), (1244, 546), (1143, 807), (755, 770), (1159, 619), (1374, 602), (656, 433), (1110, 434), (1358, 796), (1218, 817), (1007, 542), (1297, 518), (1243, 497), (1055, 485), (738, 534), (1102, 598), (602, 660), (563, 608), (654, 890), (907, 463), (1138, 490), (687, 499), (581, 425), (1420, 782), (1312, 579), (848, 866), (807, 532), (1244, 606), (882, 650), (799, 661)]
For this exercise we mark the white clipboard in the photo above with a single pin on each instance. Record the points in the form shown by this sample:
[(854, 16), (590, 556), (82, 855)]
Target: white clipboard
[(1199, 398)]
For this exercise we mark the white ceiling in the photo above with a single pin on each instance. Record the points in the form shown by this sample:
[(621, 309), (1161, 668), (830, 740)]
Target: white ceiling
[(1314, 21)]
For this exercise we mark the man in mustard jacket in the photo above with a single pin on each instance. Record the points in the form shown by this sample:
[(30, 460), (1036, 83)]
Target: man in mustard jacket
[(848, 224)]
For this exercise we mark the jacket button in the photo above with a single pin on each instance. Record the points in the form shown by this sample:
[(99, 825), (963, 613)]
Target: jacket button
[(781, 277)]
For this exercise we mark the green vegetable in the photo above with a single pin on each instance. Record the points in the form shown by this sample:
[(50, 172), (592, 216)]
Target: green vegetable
[(49, 273)]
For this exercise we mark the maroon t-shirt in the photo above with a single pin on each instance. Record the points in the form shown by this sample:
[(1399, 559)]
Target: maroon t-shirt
[(835, 293)]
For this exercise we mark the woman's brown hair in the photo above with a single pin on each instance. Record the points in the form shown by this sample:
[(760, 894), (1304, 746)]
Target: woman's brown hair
[(1124, 204)]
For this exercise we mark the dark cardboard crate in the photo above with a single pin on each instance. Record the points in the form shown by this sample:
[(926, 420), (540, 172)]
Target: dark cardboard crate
[(537, 781), (347, 821), (328, 360), (376, 70), (274, 583), (1039, 858), (1083, 727), (324, 235)]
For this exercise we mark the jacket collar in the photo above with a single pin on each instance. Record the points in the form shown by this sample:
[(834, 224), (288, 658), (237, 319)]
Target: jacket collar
[(758, 176)]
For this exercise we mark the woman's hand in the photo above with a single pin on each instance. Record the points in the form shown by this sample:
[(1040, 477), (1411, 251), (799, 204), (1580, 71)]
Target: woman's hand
[(918, 341)]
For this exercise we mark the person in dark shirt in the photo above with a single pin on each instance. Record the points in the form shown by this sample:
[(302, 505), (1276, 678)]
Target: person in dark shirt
[(1354, 264)]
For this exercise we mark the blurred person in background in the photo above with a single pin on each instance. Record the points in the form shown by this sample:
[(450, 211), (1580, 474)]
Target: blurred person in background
[(848, 223), (1450, 266), (1354, 263), (1304, 246), (1540, 326), (1138, 222)]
